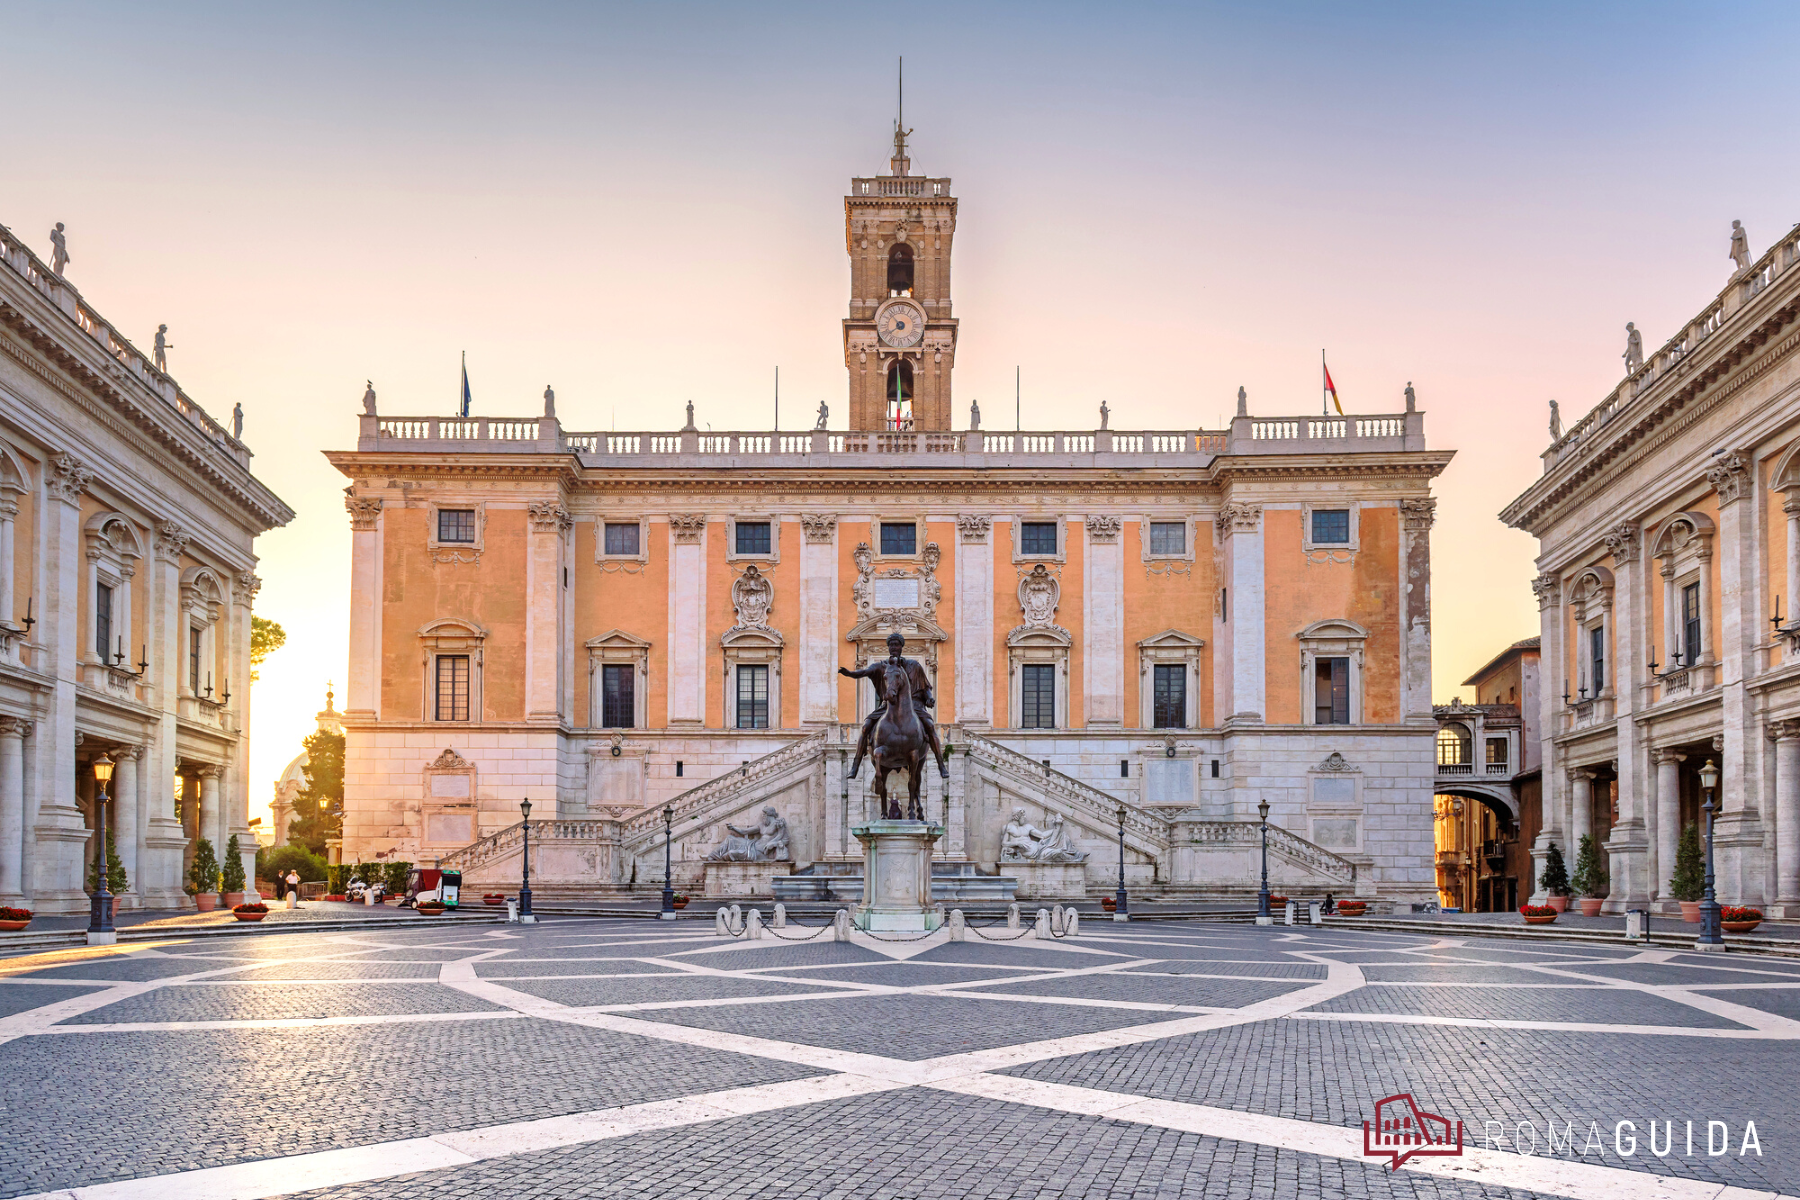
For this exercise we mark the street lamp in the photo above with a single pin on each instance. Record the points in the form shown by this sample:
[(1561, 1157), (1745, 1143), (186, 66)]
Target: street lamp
[(1263, 916), (668, 896), (1121, 902), (1710, 936), (525, 886), (100, 916)]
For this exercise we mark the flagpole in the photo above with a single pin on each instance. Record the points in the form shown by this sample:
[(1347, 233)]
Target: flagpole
[(777, 399), (1018, 410), (1324, 391)]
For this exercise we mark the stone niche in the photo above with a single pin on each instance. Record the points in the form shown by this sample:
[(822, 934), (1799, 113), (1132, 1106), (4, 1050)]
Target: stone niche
[(733, 880), (1049, 881)]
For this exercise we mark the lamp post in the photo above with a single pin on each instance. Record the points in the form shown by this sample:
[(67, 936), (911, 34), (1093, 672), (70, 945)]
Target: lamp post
[(668, 896), (525, 885), (1711, 937), (100, 930), (1263, 916), (1121, 902)]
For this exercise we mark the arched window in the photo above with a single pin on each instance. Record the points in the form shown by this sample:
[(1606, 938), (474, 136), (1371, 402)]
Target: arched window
[(900, 270), (1454, 745), (900, 396)]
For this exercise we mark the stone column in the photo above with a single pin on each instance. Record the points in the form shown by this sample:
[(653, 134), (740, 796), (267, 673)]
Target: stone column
[(1786, 736), (128, 812), (1741, 860), (819, 637), (1416, 518), (12, 810), (362, 695), (56, 843), (974, 621), (1553, 668), (210, 826), (1628, 846), (687, 621), (1668, 818), (9, 513), (1241, 526), (1791, 507), (1581, 813), (1103, 624), (544, 605)]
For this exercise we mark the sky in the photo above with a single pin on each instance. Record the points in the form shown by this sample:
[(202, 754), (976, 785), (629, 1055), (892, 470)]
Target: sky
[(642, 204)]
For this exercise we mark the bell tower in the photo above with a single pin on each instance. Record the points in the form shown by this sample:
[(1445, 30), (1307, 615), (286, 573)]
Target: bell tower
[(900, 336)]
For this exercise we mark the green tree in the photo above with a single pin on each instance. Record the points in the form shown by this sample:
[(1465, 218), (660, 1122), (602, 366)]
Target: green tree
[(231, 871), (1689, 881), (116, 883), (1555, 879), (282, 859), (319, 806), (266, 637), (203, 872), (1590, 876)]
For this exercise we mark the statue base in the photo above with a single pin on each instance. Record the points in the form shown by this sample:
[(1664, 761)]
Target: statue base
[(734, 880), (1048, 881), (897, 876)]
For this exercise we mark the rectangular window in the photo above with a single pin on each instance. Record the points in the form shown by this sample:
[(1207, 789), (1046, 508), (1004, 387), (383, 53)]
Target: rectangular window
[(1037, 697), (1690, 624), (753, 697), (1037, 537), (1331, 526), (1597, 658), (752, 537), (456, 525), (1331, 691), (618, 699), (622, 539), (195, 633), (103, 621), (453, 687), (1496, 752), (1170, 696), (1168, 537), (897, 538)]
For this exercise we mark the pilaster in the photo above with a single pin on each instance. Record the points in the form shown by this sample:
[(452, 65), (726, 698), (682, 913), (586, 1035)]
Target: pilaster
[(59, 836), (687, 620), (362, 695), (1416, 519), (818, 619), (1553, 672), (1628, 845), (1103, 628), (1738, 831), (1786, 736), (546, 599), (974, 621), (1241, 527)]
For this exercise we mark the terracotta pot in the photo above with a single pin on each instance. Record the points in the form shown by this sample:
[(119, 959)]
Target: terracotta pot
[(1109, 903), (249, 916), (1541, 920), (206, 901), (232, 899), (13, 926), (1351, 908), (680, 902), (495, 901), (432, 910), (1690, 911), (1739, 926), (1590, 907), (1559, 903)]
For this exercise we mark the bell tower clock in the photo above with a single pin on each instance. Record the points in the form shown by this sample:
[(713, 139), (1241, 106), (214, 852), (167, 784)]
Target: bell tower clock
[(900, 336)]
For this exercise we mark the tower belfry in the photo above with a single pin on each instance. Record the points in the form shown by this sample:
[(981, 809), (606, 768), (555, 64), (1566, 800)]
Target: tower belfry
[(900, 336)]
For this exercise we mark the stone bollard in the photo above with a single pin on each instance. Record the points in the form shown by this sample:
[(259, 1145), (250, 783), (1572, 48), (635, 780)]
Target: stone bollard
[(1072, 922), (293, 899), (512, 911), (955, 925), (721, 923), (840, 926), (780, 921), (1312, 913), (1288, 912), (753, 925), (1042, 927), (1012, 916), (938, 909)]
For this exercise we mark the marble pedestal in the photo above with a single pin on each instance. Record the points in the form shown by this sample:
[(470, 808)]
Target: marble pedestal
[(897, 875), (728, 880), (1049, 881)]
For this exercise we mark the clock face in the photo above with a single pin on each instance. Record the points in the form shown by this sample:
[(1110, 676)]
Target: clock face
[(900, 325)]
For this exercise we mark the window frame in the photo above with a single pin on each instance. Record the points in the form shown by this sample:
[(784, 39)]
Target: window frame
[(732, 554), (1181, 530), (1062, 523), (451, 636), (443, 551), (637, 538), (447, 511), (103, 620), (881, 528), (610, 718), (740, 671), (438, 700), (1035, 526), (1334, 637), (1171, 647), (1351, 546), (1691, 629), (1041, 672), (616, 647), (1337, 686), (1159, 672)]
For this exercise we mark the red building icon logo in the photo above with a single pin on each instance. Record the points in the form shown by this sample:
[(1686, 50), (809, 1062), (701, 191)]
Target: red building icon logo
[(1400, 1130)]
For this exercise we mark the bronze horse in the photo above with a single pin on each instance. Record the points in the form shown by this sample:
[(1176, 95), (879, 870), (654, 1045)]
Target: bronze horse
[(899, 743)]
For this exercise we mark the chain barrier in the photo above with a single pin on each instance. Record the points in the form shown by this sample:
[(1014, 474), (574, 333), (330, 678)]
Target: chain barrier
[(825, 928)]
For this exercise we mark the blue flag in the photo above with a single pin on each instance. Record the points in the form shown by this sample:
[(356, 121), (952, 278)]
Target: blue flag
[(465, 385)]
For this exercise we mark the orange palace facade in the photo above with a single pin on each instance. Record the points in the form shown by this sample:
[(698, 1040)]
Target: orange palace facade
[(1147, 631)]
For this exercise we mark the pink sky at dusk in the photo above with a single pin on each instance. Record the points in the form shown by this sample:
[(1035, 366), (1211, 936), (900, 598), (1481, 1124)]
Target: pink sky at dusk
[(642, 204)]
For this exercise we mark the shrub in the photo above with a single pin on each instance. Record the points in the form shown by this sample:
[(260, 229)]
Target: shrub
[(395, 879), (15, 914), (1555, 879), (1536, 910), (337, 878), (116, 883), (1730, 912), (1590, 876), (1689, 880), (203, 872), (251, 908), (367, 872), (231, 871), (282, 859)]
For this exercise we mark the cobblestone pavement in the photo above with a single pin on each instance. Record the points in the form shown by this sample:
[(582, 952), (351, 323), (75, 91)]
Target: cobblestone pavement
[(623, 1058)]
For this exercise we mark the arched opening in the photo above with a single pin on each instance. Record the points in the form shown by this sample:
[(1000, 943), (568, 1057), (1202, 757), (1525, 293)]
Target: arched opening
[(900, 395), (1455, 745), (1482, 866), (900, 270)]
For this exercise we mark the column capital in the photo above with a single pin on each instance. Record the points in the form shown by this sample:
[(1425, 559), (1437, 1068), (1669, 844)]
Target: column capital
[(1622, 542), (1730, 477), (1580, 774), (171, 540), (974, 530), (209, 770), (549, 516), (17, 727), (819, 528), (1783, 731), (1548, 590), (127, 753), (1664, 756), (68, 478), (363, 510), (687, 527), (1104, 529), (1239, 518), (245, 587), (1417, 515)]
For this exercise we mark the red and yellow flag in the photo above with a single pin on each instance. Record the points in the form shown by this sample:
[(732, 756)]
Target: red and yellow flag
[(1331, 389)]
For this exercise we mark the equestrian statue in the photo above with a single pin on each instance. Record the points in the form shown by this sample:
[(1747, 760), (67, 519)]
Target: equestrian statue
[(900, 731)]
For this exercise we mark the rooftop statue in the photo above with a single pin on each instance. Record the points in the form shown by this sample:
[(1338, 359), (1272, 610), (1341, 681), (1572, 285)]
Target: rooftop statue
[(1105, 414), (974, 414), (1243, 402), (1634, 348), (1740, 247), (549, 403), (161, 349), (369, 398), (237, 421), (824, 415), (689, 427), (59, 249), (1556, 430), (1412, 401)]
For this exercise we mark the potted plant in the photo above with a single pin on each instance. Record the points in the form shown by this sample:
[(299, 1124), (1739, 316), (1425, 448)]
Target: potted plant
[(1555, 879), (680, 900), (14, 919), (1538, 914), (1739, 920), (493, 899), (1688, 883), (116, 883), (250, 912), (1109, 903), (203, 877), (431, 908), (231, 875), (1590, 877), (1352, 908)]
